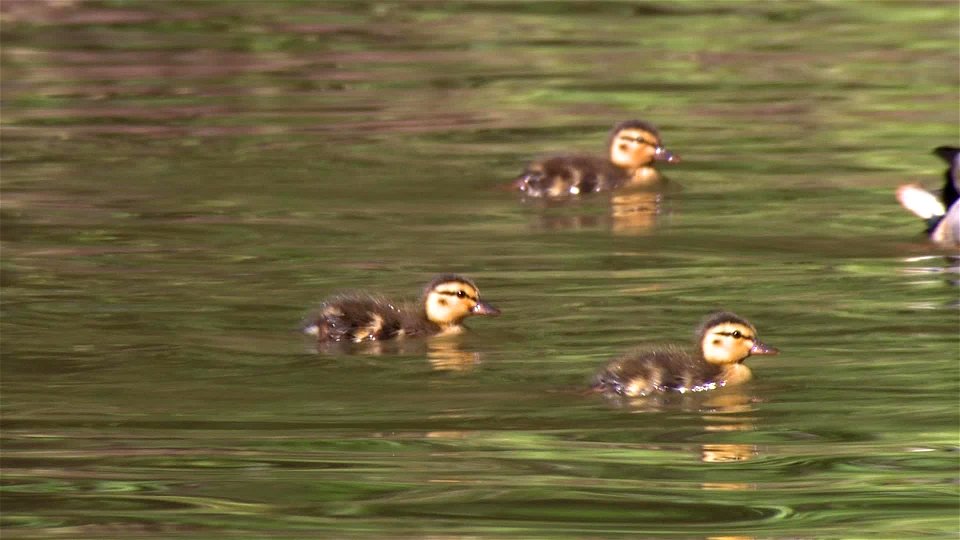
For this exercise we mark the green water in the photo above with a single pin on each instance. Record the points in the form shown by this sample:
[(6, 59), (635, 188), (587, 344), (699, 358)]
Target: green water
[(183, 181)]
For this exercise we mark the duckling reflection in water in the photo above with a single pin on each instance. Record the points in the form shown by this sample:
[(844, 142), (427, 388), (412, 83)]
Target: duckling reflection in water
[(625, 212), (446, 301), (943, 215), (633, 146), (443, 353), (724, 342)]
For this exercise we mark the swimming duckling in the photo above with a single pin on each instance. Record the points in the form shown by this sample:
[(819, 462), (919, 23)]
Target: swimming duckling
[(633, 146), (724, 341), (446, 301), (942, 216)]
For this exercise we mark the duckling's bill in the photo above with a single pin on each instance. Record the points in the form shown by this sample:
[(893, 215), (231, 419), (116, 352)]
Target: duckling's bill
[(761, 348), (483, 308), (662, 154)]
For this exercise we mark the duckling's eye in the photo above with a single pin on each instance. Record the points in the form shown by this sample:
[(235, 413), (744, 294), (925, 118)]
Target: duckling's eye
[(638, 140), (461, 294), (736, 334)]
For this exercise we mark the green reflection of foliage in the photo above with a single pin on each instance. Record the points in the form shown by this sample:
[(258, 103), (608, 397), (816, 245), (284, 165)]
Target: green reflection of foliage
[(183, 180)]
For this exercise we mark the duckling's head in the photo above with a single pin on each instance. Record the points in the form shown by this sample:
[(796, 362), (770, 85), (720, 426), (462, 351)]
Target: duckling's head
[(726, 338), (449, 299), (635, 143)]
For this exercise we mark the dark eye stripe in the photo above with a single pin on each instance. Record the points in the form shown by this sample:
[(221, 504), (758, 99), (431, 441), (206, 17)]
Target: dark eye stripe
[(454, 293), (736, 334)]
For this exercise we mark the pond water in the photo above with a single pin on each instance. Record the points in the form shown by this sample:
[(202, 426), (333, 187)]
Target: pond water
[(183, 182)]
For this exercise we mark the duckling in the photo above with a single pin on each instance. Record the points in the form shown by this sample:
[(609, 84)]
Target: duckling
[(942, 216), (446, 301), (724, 341), (633, 146)]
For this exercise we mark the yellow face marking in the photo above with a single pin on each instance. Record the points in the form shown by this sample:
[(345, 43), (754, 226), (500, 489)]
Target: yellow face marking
[(451, 302), (636, 136), (728, 343), (459, 290), (633, 148)]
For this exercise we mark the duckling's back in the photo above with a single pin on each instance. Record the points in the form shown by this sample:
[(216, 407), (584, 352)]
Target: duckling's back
[(663, 369), (560, 176), (355, 318)]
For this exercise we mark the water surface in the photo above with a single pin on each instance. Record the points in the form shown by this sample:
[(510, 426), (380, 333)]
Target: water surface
[(183, 182)]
